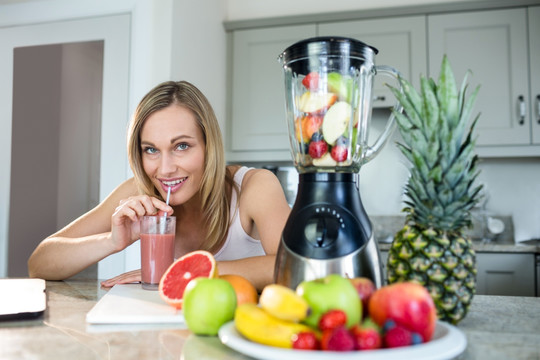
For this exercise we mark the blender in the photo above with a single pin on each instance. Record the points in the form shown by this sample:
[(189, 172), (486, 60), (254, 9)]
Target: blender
[(328, 90)]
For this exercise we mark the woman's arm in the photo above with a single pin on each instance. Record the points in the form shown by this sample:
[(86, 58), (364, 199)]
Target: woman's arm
[(108, 228), (264, 212)]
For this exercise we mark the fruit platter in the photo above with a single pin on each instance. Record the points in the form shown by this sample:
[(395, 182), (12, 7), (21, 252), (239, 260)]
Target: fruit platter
[(317, 320), (447, 343)]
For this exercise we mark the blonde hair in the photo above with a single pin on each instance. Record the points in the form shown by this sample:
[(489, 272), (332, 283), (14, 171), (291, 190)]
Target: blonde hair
[(216, 178)]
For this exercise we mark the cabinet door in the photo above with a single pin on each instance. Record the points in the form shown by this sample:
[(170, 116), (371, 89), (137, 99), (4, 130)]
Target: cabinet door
[(534, 51), (493, 45), (505, 274), (258, 99), (401, 43)]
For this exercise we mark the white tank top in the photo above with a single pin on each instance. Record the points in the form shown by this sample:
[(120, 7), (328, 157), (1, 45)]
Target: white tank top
[(238, 244)]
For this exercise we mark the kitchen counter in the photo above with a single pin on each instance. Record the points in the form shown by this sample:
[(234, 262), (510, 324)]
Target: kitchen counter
[(385, 227), (496, 327)]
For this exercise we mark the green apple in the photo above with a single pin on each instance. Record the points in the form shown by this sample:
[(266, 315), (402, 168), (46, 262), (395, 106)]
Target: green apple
[(331, 292), (208, 304), (336, 121), (340, 85)]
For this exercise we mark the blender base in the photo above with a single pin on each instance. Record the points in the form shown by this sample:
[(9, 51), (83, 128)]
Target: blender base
[(291, 269)]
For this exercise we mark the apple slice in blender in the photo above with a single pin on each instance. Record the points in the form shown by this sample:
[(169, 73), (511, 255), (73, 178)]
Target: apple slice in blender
[(335, 121), (316, 102), (341, 85), (325, 160)]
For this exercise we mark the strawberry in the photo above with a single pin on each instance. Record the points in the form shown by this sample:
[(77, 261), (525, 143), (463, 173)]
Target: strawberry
[(332, 319), (317, 149), (311, 81), (367, 335), (339, 153), (337, 339), (305, 340)]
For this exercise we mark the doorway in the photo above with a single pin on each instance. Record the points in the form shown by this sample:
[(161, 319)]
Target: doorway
[(96, 54), (55, 143)]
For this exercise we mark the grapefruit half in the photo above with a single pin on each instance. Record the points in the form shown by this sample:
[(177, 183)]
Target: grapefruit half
[(195, 264)]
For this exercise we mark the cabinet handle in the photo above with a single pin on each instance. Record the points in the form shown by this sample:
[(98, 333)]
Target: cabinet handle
[(522, 109), (538, 108), (379, 98)]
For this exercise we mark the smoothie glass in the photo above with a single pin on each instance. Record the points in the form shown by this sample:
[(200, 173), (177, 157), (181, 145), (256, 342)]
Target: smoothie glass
[(157, 248)]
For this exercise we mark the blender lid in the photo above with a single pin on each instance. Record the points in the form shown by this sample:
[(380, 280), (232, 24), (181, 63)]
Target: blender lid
[(327, 46)]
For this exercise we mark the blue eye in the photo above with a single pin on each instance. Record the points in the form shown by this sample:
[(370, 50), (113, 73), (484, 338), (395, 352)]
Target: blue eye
[(150, 150), (182, 146)]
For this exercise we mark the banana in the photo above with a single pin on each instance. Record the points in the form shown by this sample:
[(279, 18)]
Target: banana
[(259, 326), (284, 303)]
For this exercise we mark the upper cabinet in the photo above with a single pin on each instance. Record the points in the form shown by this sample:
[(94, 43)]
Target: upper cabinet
[(493, 45), (258, 128), (534, 51), (401, 43)]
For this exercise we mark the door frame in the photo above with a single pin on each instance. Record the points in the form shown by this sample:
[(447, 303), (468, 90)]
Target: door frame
[(129, 72)]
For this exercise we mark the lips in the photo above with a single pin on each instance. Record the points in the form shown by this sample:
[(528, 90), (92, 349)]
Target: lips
[(174, 184)]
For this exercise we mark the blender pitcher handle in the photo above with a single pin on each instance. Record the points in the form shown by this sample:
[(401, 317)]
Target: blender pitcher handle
[(373, 150)]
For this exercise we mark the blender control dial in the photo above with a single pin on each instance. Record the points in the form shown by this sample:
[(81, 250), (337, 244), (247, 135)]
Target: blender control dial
[(322, 229)]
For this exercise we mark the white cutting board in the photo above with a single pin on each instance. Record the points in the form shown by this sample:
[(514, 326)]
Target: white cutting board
[(130, 304)]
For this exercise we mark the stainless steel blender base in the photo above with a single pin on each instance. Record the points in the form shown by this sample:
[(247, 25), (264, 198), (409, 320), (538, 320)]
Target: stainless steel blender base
[(291, 269)]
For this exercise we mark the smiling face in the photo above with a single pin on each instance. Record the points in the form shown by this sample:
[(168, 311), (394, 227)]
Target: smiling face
[(173, 150)]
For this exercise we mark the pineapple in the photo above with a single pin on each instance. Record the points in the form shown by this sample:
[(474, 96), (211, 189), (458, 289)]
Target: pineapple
[(433, 248)]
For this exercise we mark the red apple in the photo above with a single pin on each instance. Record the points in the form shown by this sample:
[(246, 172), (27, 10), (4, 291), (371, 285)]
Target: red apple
[(365, 288), (408, 304)]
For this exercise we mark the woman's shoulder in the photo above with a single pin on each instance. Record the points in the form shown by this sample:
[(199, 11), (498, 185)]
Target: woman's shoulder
[(252, 175)]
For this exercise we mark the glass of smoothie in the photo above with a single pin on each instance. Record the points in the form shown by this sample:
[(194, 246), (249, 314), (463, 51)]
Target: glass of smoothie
[(157, 248)]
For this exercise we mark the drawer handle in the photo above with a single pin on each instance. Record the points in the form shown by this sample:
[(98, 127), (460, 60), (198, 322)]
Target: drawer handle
[(538, 108), (522, 109), (379, 98)]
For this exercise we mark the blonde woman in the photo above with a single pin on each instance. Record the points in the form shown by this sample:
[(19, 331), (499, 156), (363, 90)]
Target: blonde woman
[(174, 140)]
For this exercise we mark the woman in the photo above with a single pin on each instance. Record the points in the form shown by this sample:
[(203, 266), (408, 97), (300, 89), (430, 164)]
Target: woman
[(174, 141)]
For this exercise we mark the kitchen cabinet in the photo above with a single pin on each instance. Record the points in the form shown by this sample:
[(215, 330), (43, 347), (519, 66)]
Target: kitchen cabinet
[(505, 274), (493, 45), (534, 54), (511, 274), (258, 128), (401, 43)]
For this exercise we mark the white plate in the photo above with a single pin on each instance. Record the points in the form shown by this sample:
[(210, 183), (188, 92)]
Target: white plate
[(447, 343)]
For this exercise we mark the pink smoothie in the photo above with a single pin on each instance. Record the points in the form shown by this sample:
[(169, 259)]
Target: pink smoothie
[(157, 254)]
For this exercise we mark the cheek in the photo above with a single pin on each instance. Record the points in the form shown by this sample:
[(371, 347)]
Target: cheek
[(147, 166)]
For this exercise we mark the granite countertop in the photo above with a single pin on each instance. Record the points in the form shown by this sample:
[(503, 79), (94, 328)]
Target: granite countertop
[(497, 327)]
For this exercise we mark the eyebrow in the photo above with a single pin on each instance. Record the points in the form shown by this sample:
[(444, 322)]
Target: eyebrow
[(173, 140)]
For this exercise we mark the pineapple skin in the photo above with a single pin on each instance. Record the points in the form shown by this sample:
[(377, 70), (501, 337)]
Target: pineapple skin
[(444, 262)]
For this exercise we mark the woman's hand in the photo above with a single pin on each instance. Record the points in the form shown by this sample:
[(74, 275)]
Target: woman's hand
[(125, 221), (125, 278)]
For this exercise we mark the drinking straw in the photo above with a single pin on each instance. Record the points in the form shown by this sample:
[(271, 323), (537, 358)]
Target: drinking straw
[(164, 219)]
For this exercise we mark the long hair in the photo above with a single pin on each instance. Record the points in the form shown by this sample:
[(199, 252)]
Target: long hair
[(216, 178)]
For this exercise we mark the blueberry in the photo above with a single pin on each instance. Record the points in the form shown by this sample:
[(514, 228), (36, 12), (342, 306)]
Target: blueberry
[(388, 325), (342, 140), (317, 136), (416, 339)]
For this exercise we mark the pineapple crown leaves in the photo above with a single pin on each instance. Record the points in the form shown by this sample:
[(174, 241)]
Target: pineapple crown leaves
[(440, 189)]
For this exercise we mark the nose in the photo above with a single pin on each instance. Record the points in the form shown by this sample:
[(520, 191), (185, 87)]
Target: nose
[(167, 163)]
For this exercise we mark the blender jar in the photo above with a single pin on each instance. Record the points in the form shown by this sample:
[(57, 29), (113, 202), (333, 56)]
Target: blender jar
[(328, 91)]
